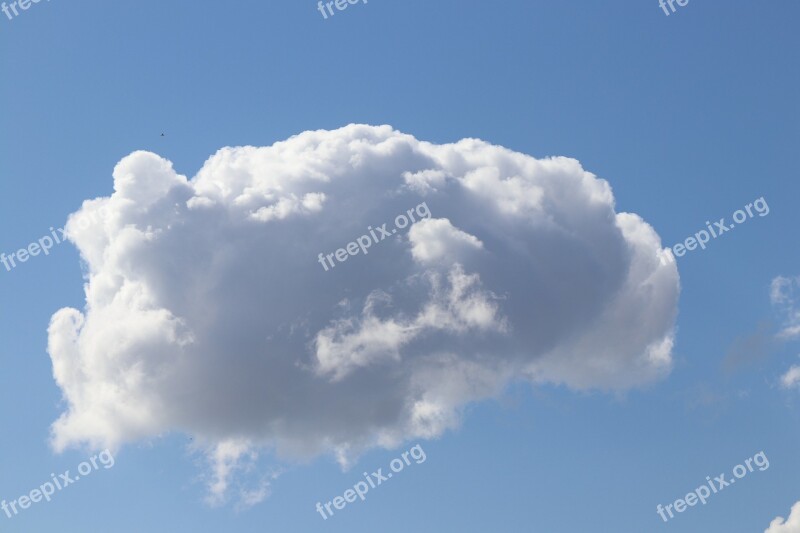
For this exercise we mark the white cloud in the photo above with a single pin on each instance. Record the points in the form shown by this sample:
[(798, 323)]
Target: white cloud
[(226, 457), (425, 181), (459, 308), (791, 378), (207, 312), (436, 240), (790, 525), (783, 294)]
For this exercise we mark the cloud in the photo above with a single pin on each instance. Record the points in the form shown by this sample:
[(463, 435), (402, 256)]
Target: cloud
[(783, 295), (207, 311), (227, 457), (433, 239), (790, 525), (791, 379)]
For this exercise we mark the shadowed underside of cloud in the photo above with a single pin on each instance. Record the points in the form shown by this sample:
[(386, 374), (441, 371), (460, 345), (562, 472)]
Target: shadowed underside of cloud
[(207, 310)]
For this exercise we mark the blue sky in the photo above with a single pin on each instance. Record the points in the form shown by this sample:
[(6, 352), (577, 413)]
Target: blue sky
[(689, 117)]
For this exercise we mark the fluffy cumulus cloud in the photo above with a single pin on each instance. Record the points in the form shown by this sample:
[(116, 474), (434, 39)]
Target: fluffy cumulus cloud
[(789, 525), (230, 306)]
